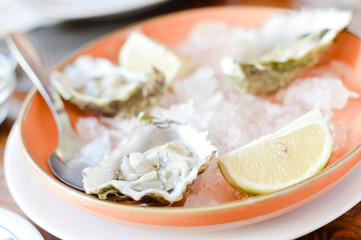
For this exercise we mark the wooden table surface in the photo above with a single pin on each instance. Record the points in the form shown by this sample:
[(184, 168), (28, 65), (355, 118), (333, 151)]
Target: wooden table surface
[(348, 226)]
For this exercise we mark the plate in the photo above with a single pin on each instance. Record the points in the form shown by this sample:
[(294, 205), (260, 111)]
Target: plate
[(81, 9), (14, 226), (52, 214), (36, 120)]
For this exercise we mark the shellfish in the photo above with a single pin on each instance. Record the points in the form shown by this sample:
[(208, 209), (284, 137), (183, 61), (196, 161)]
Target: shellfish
[(283, 48), (158, 162), (98, 85)]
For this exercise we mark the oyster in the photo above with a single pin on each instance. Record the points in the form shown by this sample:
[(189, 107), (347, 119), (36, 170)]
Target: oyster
[(97, 85), (284, 47), (157, 164)]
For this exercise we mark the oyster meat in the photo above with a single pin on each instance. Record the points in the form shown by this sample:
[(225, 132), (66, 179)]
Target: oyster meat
[(157, 164), (284, 47), (98, 85)]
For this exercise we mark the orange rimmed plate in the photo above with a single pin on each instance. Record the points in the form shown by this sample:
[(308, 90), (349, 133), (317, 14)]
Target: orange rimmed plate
[(39, 136)]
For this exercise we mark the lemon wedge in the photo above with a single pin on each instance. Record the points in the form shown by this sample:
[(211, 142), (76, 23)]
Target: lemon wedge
[(140, 53), (290, 155)]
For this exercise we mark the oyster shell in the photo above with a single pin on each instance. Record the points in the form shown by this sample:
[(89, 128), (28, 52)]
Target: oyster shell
[(283, 48), (158, 162), (97, 85)]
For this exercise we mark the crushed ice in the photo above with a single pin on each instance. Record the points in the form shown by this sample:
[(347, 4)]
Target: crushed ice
[(204, 100)]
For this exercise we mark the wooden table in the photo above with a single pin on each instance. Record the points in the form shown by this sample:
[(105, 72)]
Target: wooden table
[(348, 226)]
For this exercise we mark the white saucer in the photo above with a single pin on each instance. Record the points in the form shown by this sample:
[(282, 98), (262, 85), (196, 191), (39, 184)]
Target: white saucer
[(66, 222), (80, 9), (14, 226)]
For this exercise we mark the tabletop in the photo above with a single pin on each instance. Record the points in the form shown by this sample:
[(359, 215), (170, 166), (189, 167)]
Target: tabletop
[(67, 36)]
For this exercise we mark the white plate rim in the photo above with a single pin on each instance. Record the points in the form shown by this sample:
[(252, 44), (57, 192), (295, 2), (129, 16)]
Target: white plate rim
[(18, 226), (93, 9)]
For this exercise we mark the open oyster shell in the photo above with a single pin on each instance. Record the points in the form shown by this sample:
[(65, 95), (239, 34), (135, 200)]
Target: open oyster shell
[(283, 48), (158, 162), (97, 85)]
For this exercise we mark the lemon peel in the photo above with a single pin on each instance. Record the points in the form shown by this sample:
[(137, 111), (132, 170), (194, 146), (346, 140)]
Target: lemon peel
[(288, 156)]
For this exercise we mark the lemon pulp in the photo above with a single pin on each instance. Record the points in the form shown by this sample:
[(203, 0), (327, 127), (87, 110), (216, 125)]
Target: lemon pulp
[(290, 155), (141, 52)]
